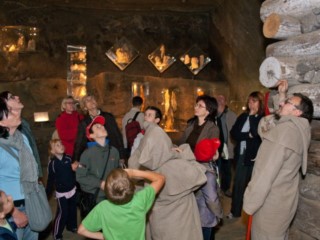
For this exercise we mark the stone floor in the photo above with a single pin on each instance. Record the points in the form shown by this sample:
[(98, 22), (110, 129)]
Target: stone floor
[(233, 229)]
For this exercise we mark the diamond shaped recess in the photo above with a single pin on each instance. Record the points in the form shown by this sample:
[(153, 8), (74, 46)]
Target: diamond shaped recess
[(122, 53), (195, 59), (160, 59)]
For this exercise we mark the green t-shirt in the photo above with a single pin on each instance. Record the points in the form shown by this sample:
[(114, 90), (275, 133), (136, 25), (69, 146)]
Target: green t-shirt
[(122, 222)]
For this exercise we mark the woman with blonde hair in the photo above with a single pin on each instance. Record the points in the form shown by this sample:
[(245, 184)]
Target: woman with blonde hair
[(67, 124)]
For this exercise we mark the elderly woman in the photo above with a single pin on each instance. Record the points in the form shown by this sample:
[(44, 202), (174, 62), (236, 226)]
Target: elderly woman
[(245, 133), (90, 106), (67, 124), (19, 172)]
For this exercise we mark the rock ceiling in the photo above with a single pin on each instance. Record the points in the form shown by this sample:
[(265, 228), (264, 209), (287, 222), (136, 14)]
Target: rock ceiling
[(186, 5)]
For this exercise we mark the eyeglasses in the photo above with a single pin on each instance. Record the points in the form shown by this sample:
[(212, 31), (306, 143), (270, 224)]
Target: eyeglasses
[(287, 101), (197, 105)]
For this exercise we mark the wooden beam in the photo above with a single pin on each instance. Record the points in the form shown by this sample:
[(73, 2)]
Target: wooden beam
[(302, 45), (294, 8), (295, 69), (310, 90), (281, 27)]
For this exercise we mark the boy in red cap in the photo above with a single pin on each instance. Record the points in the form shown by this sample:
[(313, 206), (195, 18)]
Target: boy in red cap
[(207, 197), (95, 159)]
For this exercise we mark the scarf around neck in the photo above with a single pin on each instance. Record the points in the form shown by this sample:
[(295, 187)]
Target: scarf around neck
[(27, 163)]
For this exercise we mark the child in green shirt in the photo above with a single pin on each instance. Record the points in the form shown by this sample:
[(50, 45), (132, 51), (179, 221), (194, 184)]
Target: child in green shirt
[(123, 215)]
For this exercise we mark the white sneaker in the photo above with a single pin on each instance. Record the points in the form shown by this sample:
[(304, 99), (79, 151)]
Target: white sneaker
[(230, 216)]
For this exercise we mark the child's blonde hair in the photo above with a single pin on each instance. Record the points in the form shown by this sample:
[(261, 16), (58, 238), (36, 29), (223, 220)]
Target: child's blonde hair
[(51, 144)]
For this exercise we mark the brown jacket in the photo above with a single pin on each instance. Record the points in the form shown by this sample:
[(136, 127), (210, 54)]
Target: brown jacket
[(210, 131)]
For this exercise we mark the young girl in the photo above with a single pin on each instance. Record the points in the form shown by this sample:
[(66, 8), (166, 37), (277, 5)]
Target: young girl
[(61, 175), (7, 229)]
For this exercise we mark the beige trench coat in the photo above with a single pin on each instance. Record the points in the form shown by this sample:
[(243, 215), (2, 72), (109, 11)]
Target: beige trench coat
[(272, 194), (175, 213)]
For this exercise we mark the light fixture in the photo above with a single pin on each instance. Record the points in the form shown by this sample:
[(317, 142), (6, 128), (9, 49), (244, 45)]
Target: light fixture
[(41, 116), (18, 38), (200, 92)]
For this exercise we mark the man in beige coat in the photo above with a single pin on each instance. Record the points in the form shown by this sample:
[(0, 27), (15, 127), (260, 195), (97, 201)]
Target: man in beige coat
[(272, 194), (175, 213)]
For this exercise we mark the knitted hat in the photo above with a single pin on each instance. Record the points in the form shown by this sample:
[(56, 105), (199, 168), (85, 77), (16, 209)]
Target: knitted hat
[(97, 119), (206, 149)]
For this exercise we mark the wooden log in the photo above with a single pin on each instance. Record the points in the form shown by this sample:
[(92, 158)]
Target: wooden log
[(309, 187), (296, 69), (314, 159), (307, 218), (302, 45), (296, 234), (294, 8), (311, 22), (310, 90), (315, 130), (313, 166), (281, 27)]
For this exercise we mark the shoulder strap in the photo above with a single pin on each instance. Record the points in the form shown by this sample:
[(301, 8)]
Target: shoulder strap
[(135, 116), (9, 150), (103, 172)]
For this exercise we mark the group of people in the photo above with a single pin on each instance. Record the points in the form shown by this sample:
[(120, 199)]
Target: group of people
[(178, 198)]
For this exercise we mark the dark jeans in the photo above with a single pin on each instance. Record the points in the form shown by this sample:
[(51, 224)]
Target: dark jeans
[(241, 180), (208, 233), (225, 173)]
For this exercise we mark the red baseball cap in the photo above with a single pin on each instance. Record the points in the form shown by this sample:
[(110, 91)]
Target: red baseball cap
[(97, 119), (206, 149)]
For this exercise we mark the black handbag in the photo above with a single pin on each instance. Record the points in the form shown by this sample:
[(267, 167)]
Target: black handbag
[(89, 200), (87, 203)]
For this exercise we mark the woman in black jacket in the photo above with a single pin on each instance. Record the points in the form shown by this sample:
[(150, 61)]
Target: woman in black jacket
[(245, 133)]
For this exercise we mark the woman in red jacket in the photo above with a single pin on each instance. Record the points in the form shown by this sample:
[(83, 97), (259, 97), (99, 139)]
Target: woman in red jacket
[(67, 124)]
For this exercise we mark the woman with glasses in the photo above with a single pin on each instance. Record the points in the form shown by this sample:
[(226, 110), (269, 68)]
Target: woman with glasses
[(245, 134), (67, 124), (203, 127), (203, 124)]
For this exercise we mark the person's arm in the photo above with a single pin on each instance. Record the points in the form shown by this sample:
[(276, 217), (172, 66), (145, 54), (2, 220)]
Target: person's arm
[(94, 235), (282, 89), (85, 176), (235, 131), (19, 218), (50, 180), (209, 192), (157, 180)]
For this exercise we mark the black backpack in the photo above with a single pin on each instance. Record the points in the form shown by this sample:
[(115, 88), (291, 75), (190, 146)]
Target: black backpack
[(132, 130)]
